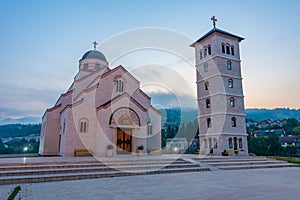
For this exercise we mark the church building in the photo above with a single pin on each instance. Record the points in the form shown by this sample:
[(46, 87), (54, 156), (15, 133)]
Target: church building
[(102, 107), (221, 114)]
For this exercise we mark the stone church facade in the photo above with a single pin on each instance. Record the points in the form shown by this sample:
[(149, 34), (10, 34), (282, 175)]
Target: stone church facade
[(221, 115), (102, 107)]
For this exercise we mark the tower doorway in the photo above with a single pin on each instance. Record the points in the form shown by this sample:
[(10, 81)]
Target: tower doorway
[(235, 143)]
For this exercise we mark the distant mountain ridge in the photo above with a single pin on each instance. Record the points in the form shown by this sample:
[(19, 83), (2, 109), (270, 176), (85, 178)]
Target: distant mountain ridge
[(23, 120), (277, 113)]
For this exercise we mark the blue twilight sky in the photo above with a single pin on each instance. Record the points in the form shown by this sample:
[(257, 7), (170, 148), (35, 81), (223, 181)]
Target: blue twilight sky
[(42, 41)]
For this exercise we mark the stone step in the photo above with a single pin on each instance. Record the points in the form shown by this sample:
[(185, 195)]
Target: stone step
[(238, 167), (245, 163), (231, 160), (91, 169), (89, 175), (106, 162), (80, 165)]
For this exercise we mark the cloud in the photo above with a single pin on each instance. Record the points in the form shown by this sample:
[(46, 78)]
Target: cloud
[(17, 102), (170, 100)]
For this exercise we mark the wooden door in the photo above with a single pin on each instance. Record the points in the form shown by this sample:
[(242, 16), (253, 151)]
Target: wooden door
[(124, 140)]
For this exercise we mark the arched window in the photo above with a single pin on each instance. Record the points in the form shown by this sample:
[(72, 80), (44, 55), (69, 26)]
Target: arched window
[(229, 65), (230, 83), (232, 50), (233, 122), (83, 126), (208, 121), (207, 103), (209, 143), (120, 85), (227, 49), (232, 102), (230, 145), (205, 52), (206, 84), (240, 143), (205, 67), (64, 126), (209, 49), (223, 48), (205, 144), (201, 54), (215, 143), (149, 129), (85, 66)]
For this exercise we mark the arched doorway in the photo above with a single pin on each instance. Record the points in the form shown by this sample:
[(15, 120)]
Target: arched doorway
[(235, 143), (124, 122)]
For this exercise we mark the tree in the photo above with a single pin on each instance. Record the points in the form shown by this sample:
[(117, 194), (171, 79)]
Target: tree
[(265, 146), (274, 146), (258, 145), (291, 123), (289, 150), (296, 130)]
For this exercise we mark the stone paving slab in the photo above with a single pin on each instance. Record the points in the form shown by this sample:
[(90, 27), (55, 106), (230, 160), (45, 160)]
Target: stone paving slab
[(279, 183)]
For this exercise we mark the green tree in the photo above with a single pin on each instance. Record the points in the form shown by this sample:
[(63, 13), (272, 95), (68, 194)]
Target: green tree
[(296, 130), (265, 146), (289, 150), (291, 123), (273, 144), (258, 145)]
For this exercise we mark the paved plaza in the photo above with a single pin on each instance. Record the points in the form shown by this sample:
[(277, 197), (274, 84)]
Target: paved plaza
[(279, 183)]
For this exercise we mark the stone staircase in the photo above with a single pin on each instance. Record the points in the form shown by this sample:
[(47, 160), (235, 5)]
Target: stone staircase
[(59, 170), (239, 163), (45, 169)]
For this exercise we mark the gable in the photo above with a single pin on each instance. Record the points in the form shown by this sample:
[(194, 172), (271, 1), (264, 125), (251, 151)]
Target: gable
[(120, 97), (120, 70)]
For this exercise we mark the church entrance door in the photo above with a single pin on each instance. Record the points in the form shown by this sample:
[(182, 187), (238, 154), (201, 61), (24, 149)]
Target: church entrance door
[(124, 141)]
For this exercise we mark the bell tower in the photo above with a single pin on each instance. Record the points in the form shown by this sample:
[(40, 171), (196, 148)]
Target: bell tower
[(221, 114)]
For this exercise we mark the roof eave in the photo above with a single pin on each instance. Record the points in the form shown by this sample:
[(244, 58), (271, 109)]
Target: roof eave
[(215, 30)]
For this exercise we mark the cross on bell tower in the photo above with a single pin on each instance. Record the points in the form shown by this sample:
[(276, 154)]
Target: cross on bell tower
[(95, 45), (214, 19)]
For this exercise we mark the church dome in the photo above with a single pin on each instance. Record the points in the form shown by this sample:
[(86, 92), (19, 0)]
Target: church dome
[(94, 54)]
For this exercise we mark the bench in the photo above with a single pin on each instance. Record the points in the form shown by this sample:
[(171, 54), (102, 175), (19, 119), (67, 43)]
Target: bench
[(232, 152), (82, 152), (153, 151)]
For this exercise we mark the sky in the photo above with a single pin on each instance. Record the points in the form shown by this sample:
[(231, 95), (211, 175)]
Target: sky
[(42, 41)]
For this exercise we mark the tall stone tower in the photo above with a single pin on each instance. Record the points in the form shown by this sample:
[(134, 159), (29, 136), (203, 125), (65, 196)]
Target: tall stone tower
[(221, 114)]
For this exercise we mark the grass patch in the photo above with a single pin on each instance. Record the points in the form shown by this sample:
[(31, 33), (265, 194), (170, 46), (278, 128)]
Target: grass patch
[(288, 159), (14, 193)]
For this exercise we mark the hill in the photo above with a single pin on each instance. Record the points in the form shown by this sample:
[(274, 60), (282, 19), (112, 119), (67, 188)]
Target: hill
[(19, 130), (277, 113)]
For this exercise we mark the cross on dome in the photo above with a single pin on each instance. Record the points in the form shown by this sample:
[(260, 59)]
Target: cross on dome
[(95, 45)]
